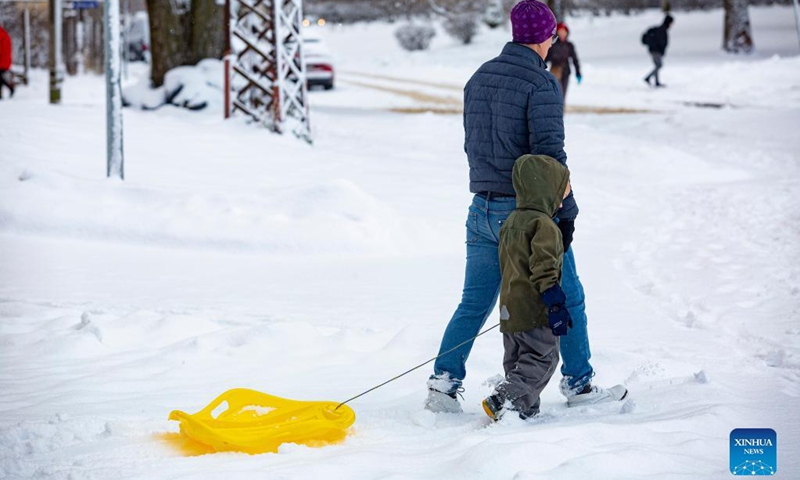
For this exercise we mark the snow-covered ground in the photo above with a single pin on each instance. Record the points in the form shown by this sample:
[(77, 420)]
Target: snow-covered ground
[(230, 257)]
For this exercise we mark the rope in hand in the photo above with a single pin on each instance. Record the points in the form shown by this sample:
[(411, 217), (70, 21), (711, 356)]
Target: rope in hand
[(415, 368)]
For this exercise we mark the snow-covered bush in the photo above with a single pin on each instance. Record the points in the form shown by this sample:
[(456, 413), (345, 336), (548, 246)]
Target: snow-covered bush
[(462, 27), (192, 87), (196, 87), (495, 15), (415, 37)]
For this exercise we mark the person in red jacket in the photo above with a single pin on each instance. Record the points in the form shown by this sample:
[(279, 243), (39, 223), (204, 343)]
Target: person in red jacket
[(5, 63), (559, 56)]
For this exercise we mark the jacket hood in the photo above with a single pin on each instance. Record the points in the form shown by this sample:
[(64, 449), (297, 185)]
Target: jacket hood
[(540, 182)]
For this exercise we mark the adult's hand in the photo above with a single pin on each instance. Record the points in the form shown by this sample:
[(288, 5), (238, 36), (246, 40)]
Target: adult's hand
[(567, 228)]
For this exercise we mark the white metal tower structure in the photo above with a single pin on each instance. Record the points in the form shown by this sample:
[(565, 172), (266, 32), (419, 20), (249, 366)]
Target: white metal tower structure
[(264, 66)]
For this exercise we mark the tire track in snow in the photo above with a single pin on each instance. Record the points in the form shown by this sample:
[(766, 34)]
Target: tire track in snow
[(446, 104)]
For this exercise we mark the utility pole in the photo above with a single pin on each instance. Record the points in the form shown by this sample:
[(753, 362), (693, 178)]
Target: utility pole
[(114, 160), (126, 21), (80, 39), (26, 43), (56, 71), (227, 56), (797, 18)]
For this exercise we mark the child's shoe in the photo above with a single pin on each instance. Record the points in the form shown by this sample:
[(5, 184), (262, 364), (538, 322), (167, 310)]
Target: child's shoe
[(529, 414), (493, 406)]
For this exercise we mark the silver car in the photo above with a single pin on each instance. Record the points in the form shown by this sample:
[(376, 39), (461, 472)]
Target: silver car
[(319, 62)]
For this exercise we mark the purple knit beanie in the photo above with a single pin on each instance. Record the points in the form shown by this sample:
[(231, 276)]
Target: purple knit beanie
[(532, 22)]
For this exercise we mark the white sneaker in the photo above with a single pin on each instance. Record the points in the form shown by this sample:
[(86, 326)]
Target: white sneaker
[(597, 395), (438, 402)]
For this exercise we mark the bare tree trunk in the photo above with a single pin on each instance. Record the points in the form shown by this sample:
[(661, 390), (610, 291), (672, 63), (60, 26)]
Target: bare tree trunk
[(94, 41), (558, 8), (183, 33), (208, 29), (70, 41), (738, 37), (170, 42)]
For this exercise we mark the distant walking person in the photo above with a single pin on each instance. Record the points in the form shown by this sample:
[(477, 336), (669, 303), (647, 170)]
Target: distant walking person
[(5, 63), (560, 53), (656, 40)]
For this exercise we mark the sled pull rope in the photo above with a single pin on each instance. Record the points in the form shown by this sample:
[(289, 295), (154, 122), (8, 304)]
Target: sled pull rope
[(417, 367)]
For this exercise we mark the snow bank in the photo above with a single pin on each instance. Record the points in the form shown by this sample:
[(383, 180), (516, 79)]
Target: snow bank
[(272, 220)]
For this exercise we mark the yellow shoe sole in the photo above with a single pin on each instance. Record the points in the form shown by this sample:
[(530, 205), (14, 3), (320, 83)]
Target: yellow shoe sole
[(488, 411)]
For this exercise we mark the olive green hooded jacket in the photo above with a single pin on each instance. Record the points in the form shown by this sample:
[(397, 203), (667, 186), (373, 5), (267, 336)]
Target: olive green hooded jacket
[(531, 249)]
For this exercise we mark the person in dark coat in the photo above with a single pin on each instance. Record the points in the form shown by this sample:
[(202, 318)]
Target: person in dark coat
[(559, 58), (656, 39), (5, 63), (512, 107)]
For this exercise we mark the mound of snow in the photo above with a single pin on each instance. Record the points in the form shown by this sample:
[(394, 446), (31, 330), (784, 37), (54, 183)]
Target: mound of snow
[(266, 220), (194, 87)]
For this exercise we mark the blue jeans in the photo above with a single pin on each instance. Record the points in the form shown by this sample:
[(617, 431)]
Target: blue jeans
[(481, 289)]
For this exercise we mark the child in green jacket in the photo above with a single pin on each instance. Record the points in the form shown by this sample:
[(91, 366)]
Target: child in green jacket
[(532, 310)]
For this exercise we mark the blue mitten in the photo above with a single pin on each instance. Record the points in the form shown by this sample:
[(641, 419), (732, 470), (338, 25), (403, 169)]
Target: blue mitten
[(557, 313), (579, 78)]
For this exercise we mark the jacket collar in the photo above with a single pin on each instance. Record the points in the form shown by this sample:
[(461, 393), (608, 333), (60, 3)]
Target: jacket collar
[(519, 50)]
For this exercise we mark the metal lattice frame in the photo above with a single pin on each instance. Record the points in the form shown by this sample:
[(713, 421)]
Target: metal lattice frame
[(265, 67)]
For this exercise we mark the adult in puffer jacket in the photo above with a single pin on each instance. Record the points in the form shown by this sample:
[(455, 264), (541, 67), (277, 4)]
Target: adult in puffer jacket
[(5, 62), (512, 107)]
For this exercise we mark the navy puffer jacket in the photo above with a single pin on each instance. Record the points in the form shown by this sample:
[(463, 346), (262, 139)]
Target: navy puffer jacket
[(512, 107)]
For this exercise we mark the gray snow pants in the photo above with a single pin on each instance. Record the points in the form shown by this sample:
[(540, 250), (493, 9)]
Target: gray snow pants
[(529, 361)]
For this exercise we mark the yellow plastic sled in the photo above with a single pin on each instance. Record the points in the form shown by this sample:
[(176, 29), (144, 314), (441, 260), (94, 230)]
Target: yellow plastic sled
[(254, 422)]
